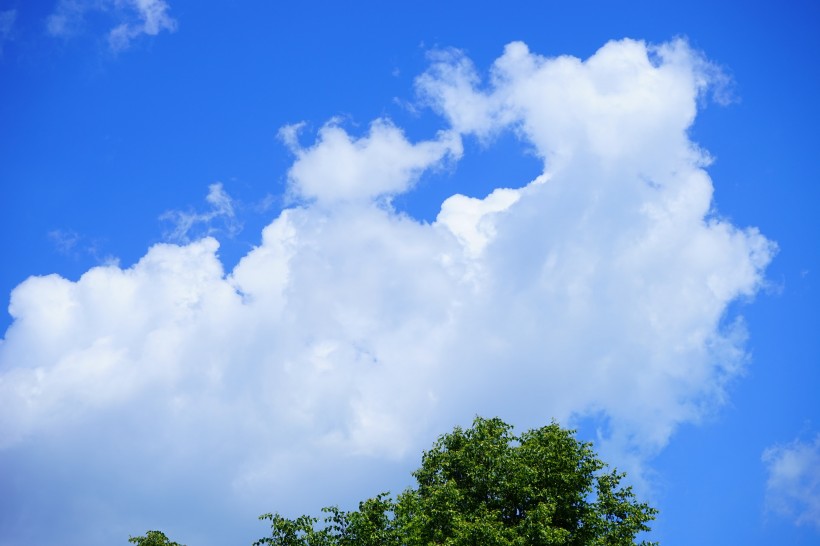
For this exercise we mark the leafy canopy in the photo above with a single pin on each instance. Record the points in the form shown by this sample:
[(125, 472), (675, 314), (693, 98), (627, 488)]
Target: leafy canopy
[(484, 486), (153, 538)]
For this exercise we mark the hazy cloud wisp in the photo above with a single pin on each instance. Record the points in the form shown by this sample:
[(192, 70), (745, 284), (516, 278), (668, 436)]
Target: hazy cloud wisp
[(793, 485), (135, 18), (7, 20), (221, 218)]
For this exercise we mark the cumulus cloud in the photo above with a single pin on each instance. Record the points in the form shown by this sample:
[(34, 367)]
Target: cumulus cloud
[(793, 485), (599, 289), (135, 18), (615, 243)]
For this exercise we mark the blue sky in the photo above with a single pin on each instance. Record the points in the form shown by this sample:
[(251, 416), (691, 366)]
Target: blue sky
[(600, 214)]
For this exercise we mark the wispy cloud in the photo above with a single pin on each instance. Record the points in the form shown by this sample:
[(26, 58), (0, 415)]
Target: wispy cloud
[(793, 485), (133, 18), (151, 18), (65, 241), (219, 218), (67, 17), (71, 244), (598, 289), (7, 20)]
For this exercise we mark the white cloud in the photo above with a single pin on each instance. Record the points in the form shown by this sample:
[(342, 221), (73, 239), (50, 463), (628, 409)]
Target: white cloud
[(612, 108), (135, 18), (598, 289), (793, 486)]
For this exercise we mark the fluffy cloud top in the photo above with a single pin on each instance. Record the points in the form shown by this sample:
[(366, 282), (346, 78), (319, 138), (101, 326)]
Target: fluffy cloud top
[(793, 487), (598, 289), (381, 164)]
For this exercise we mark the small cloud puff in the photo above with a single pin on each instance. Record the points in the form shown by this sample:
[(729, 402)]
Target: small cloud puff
[(338, 168)]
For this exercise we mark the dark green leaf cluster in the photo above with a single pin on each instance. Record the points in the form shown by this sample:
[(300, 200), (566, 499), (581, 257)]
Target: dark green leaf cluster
[(484, 486), (153, 538)]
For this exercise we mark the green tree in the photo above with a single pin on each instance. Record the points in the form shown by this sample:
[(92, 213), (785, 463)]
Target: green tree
[(153, 538), (484, 486)]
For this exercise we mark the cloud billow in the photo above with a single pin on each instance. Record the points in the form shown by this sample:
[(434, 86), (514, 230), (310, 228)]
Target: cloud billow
[(598, 289)]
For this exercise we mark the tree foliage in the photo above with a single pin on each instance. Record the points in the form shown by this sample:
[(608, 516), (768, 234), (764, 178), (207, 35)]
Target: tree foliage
[(153, 538), (484, 486)]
